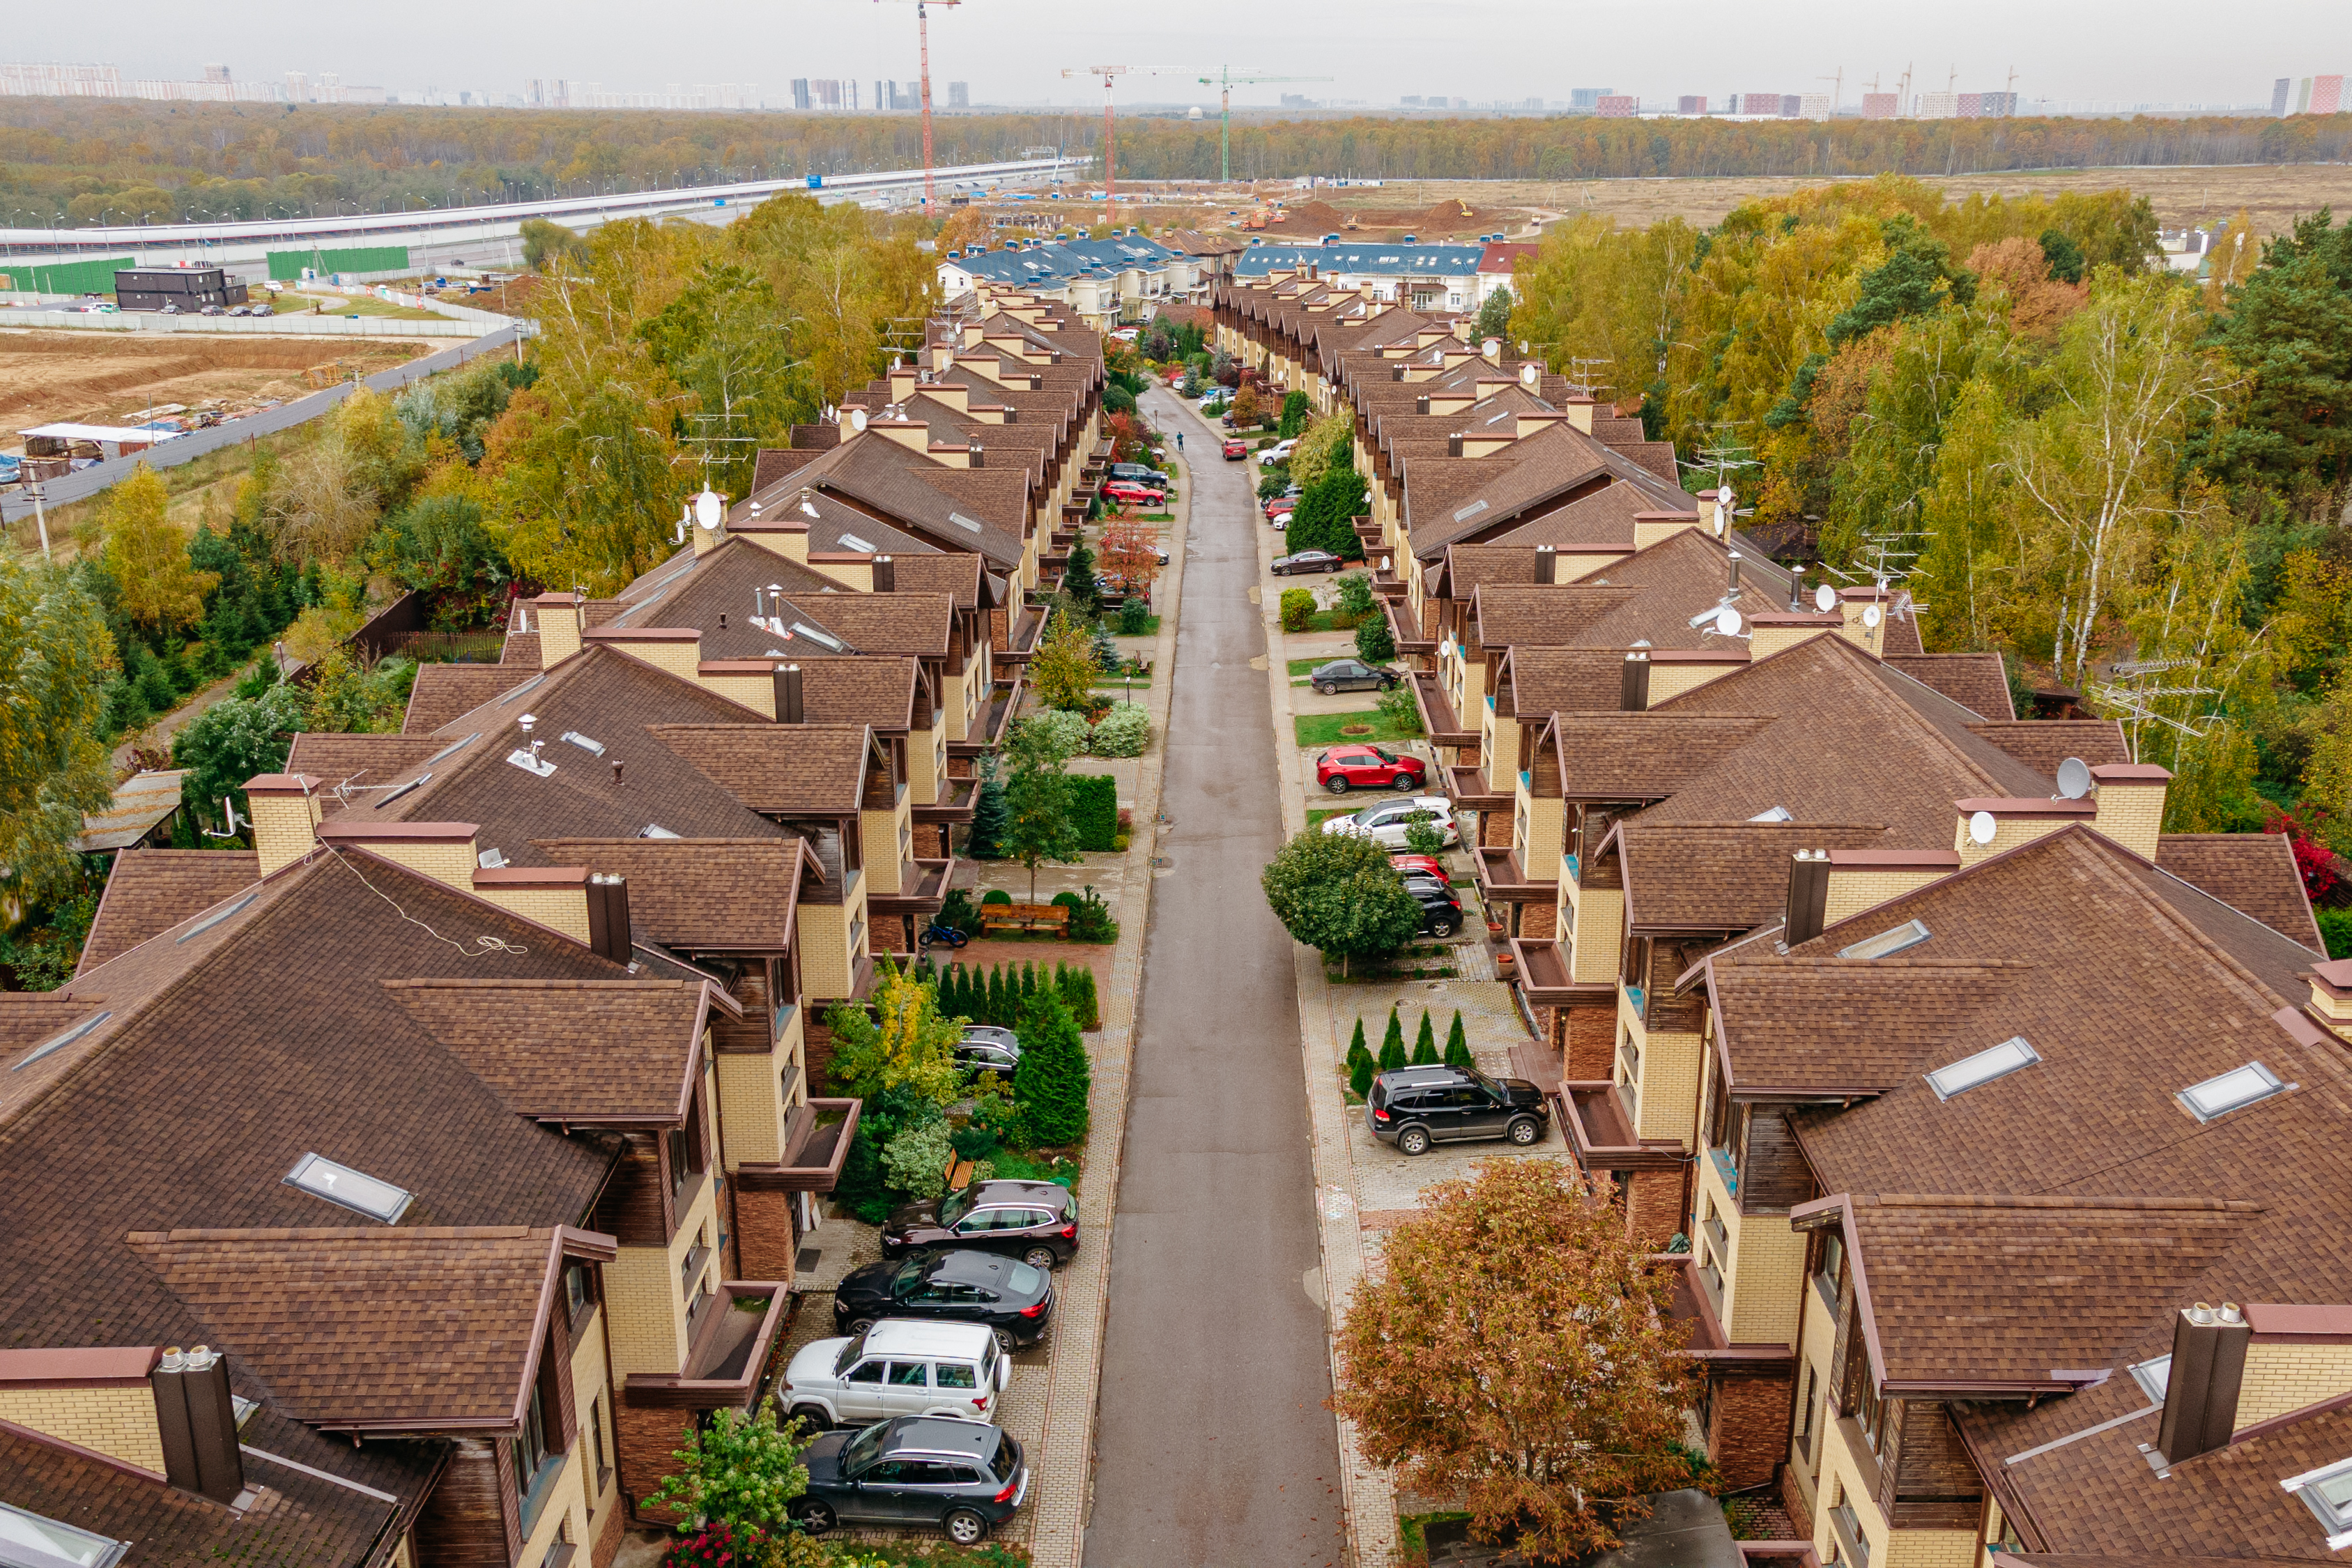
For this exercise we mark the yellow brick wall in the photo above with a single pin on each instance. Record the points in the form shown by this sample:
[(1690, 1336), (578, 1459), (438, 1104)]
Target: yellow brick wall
[(857, 574), (2007, 833), (1645, 534), (1546, 831), (791, 1062), (2132, 815), (927, 759), (2280, 1378), (1500, 749), (1932, 1549), (757, 692), (281, 828), (1870, 639), (1851, 892), (1673, 680), (644, 1308), (1667, 1106), (675, 655), (559, 630), (826, 963), (1841, 1483), (587, 1386), (451, 862), (880, 831), (1820, 1336), (565, 909), (1764, 1280), (566, 1505), (751, 1108), (1766, 641), (118, 1422), (1599, 920)]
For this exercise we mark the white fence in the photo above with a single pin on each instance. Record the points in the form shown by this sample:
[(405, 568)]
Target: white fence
[(468, 326)]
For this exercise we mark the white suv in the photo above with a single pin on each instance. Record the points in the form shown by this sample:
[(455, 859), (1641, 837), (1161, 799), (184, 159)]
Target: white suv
[(1385, 824), (897, 1367)]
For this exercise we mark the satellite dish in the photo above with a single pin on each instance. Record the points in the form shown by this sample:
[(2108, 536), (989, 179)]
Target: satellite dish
[(1981, 827), (1826, 598), (1727, 621), (708, 508), (2073, 778), (857, 421), (1870, 617), (1523, 345), (1527, 373)]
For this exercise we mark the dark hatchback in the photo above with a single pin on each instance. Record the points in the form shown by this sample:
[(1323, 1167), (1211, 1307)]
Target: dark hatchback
[(963, 1476), (1415, 1107), (957, 1284), (1037, 1222)]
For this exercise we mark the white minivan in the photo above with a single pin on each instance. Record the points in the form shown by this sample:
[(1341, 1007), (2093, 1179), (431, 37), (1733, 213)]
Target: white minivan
[(899, 1367)]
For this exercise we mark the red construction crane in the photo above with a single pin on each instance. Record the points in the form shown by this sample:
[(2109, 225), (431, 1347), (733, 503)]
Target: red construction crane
[(1110, 75), (923, 35)]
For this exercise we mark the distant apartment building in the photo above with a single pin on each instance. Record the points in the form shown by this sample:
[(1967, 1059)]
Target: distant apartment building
[(1690, 104), (218, 73), (1986, 105), (1940, 106), (1297, 101), (32, 81), (1881, 105), (898, 97), (1616, 106), (1815, 106), (2279, 91), (959, 95), (1588, 98), (547, 93), (2327, 94)]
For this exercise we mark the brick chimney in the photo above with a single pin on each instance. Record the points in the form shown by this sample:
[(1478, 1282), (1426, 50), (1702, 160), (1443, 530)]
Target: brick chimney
[(196, 1419), (1634, 688), (2201, 1396), (1862, 879), (677, 649), (1491, 350), (560, 616), (1579, 412), (1865, 611), (555, 896), (1771, 631), (2130, 799), (441, 850), (285, 811), (2012, 824), (902, 383), (1651, 527), (2331, 996)]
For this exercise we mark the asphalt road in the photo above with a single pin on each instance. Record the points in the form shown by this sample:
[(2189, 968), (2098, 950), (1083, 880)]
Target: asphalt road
[(1214, 1448)]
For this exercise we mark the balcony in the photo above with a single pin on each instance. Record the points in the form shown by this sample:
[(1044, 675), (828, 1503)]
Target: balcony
[(1501, 880), (989, 728), (732, 1338), (1544, 980), (1726, 1170), (1467, 788), (956, 800), (1707, 1342), (1437, 711), (923, 889), (1405, 625), (1599, 1127)]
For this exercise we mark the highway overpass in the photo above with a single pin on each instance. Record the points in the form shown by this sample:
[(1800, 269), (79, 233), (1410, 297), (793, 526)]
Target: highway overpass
[(481, 236)]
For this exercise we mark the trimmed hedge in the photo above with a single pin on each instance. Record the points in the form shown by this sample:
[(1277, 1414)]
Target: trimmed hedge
[(1094, 809)]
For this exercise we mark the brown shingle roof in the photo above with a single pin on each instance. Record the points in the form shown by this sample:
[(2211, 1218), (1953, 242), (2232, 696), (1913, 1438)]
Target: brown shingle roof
[(151, 890), (443, 691), (790, 769), (1826, 1023), (1974, 680), (701, 895), (358, 759), (2041, 744), (1641, 756), (2253, 872), (1720, 876), (421, 1329), (613, 1052)]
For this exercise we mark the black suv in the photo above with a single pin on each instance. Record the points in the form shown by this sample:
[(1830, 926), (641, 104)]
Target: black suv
[(1141, 473), (958, 1286), (1441, 910), (1037, 1222), (962, 1476), (1415, 1107)]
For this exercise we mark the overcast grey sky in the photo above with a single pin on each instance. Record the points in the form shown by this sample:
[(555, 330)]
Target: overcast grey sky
[(1011, 51)]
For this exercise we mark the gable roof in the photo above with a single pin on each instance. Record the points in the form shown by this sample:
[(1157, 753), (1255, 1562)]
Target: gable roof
[(790, 769), (1718, 876), (578, 1052), (1976, 681), (702, 895), (150, 890), (2252, 872), (443, 691)]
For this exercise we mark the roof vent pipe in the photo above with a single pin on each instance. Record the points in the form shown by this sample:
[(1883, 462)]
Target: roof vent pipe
[(1633, 694), (1808, 896), (1731, 574), (886, 575)]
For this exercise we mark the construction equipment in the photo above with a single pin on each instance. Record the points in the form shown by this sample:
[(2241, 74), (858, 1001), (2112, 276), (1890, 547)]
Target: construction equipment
[(1110, 74), (923, 36), (1224, 82)]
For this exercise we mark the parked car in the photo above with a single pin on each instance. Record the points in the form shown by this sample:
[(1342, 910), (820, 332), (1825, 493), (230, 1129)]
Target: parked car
[(1141, 473), (1426, 865), (240, 310), (264, 310), (1127, 335), (171, 311), (1441, 910), (1415, 1107), (211, 311), (897, 1367), (1352, 675), (1281, 521), (1235, 448), (959, 1475), (979, 1054), (1305, 561), (1006, 1296), (1034, 1221), (1129, 490), (1287, 502), (1385, 824), (1279, 452), (1343, 768)]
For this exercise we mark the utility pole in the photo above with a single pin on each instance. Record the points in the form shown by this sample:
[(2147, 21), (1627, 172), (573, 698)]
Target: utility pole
[(923, 36)]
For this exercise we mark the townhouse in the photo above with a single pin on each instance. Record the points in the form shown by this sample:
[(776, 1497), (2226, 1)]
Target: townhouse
[(1124, 276), (371, 1213), (2026, 1175)]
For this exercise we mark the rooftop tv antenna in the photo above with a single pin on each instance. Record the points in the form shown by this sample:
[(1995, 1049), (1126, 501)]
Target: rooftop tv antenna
[(1224, 82), (2136, 704), (1579, 371), (228, 813), (923, 36)]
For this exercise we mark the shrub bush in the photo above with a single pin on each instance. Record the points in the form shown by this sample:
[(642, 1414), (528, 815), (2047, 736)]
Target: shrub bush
[(1457, 1045), (1398, 707), (1134, 616), (1093, 810), (2336, 930), (1297, 609), (996, 895), (914, 1163), (1091, 921), (1424, 1045), (1065, 726), (959, 913), (1393, 1043), (1123, 731), (1375, 643)]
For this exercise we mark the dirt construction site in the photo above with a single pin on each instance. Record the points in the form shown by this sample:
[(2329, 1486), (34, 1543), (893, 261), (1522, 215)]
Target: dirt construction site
[(112, 379)]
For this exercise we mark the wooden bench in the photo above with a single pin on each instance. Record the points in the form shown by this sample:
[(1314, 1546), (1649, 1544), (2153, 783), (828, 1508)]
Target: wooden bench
[(1025, 917)]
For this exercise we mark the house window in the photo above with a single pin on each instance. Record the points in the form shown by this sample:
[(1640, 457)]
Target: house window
[(596, 1442), (579, 1290), (535, 1462), (1629, 1067), (2327, 1493), (1831, 1272), (1806, 1406)]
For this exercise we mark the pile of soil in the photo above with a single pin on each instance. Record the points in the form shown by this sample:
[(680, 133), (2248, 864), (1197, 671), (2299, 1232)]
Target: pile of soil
[(101, 377), (1440, 221)]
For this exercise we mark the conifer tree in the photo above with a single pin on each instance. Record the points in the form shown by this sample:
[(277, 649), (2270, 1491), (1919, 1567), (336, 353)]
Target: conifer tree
[(1053, 1081), (1393, 1043), (1424, 1045), (1360, 1075), (1457, 1045)]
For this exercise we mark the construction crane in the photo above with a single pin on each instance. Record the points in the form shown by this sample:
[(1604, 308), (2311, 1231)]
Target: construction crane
[(1224, 82), (1110, 74), (923, 35)]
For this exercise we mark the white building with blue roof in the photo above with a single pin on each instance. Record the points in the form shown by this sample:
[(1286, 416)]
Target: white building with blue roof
[(1122, 279), (1420, 277)]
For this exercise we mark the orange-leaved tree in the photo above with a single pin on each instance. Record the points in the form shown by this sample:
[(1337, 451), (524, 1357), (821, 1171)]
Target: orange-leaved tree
[(1516, 1351), (1130, 553)]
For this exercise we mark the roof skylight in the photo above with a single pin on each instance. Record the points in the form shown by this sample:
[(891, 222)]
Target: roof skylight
[(654, 830), (33, 1541), (1776, 813), (354, 1190), (59, 1042), (962, 521), (584, 743), (215, 918), (851, 542), (452, 748), (2327, 1493), (2233, 1090), (1983, 1068), (824, 639), (1472, 510), (1887, 943)]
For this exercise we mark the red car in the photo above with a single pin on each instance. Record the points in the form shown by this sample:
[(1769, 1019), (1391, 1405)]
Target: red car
[(1428, 864), (1343, 768), (1236, 449), (1129, 490)]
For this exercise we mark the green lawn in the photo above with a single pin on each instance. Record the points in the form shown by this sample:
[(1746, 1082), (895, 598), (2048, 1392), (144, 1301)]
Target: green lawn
[(1317, 816), (1323, 729)]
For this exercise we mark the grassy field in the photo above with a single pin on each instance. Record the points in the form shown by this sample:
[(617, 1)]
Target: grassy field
[(1323, 729)]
